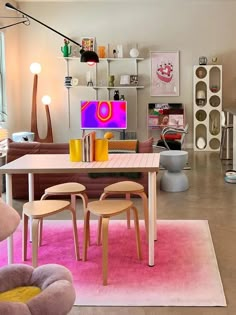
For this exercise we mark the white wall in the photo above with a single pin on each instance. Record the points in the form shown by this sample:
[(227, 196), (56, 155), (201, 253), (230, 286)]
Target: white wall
[(12, 69), (195, 28)]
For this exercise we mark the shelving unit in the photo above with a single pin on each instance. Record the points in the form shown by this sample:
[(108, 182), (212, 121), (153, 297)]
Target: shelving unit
[(101, 72), (207, 100), (161, 115)]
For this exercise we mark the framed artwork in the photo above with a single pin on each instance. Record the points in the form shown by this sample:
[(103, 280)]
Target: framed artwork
[(133, 79), (88, 43), (165, 73)]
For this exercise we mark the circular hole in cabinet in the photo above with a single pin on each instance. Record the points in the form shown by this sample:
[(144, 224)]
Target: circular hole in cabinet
[(215, 79), (200, 115), (214, 101), (201, 72), (214, 144), (201, 93), (214, 122), (201, 136), (201, 143)]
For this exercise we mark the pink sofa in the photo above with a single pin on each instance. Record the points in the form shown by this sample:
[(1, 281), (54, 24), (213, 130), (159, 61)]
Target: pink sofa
[(94, 186)]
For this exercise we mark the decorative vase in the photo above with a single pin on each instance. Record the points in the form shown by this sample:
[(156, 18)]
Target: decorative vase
[(134, 53), (66, 49), (111, 80)]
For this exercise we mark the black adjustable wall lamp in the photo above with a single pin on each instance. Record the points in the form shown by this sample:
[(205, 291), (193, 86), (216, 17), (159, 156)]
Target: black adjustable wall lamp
[(25, 21), (86, 56)]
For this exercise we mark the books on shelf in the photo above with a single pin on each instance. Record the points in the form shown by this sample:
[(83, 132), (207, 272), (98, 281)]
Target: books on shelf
[(88, 147)]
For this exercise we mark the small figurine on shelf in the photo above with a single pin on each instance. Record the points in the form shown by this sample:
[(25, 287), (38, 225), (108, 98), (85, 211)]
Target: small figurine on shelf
[(114, 53), (116, 95), (111, 80), (66, 50)]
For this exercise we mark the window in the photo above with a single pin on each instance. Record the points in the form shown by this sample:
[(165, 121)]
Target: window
[(3, 107)]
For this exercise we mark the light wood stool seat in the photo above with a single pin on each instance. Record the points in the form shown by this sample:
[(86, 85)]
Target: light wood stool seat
[(36, 211), (106, 209), (128, 188), (73, 189)]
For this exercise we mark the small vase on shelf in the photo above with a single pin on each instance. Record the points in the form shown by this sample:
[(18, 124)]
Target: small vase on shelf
[(134, 53), (66, 49)]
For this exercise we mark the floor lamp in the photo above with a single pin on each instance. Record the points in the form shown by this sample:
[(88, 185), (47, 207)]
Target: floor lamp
[(46, 100), (35, 68)]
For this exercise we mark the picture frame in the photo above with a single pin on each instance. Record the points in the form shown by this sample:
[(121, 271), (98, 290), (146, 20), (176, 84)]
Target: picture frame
[(88, 43), (133, 79), (164, 73)]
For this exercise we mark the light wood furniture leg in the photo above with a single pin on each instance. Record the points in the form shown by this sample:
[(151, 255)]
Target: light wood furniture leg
[(137, 234), (73, 189), (105, 222), (25, 237), (36, 211), (128, 188), (105, 209), (35, 242), (86, 234)]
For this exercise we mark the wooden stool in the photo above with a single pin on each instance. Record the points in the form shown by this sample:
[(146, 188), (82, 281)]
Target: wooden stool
[(106, 209), (128, 188), (37, 210), (73, 189)]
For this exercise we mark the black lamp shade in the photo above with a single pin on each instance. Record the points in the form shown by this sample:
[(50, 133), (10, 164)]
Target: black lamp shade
[(89, 56)]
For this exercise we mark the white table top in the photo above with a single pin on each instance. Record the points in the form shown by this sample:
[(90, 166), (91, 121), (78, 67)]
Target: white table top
[(60, 163)]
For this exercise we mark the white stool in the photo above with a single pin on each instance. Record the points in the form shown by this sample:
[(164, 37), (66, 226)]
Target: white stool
[(174, 179)]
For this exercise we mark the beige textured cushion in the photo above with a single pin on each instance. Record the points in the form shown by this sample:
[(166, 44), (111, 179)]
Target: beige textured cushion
[(9, 220), (125, 145)]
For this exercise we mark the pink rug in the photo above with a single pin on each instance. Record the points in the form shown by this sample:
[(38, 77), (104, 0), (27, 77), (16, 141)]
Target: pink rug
[(185, 274)]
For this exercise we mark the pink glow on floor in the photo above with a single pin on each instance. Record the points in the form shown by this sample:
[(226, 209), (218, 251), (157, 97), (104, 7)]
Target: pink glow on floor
[(185, 274)]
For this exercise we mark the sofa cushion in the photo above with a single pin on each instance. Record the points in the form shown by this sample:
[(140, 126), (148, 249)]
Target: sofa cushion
[(145, 146), (122, 146)]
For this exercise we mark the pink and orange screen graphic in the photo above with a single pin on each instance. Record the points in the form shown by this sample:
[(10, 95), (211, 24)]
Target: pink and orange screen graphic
[(104, 114)]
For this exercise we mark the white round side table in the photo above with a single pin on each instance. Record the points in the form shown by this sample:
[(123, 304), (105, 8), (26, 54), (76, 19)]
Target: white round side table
[(174, 179)]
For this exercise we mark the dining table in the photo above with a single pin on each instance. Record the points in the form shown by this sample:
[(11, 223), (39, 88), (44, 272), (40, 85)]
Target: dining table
[(60, 163)]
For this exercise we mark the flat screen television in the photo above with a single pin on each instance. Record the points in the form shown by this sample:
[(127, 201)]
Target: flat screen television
[(103, 114)]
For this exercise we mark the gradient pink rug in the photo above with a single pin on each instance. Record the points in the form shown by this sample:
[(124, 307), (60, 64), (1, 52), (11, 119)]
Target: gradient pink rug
[(185, 274)]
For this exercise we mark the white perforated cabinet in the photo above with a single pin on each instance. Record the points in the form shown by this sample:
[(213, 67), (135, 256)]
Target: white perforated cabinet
[(207, 106)]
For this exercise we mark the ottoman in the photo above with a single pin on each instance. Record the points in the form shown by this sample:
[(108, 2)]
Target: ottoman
[(174, 179)]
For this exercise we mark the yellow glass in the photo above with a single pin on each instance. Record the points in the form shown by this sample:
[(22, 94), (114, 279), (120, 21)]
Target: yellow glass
[(101, 150), (75, 150)]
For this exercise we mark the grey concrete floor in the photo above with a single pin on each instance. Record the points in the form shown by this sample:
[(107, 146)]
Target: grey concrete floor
[(210, 198)]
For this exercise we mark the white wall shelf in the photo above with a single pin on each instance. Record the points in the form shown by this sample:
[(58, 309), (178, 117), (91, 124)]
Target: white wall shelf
[(100, 77)]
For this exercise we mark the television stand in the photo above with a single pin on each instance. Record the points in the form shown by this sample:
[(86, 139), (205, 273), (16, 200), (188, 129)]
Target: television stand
[(122, 135)]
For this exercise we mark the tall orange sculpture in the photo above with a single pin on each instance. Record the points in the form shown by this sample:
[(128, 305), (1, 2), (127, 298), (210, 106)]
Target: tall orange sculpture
[(35, 68)]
